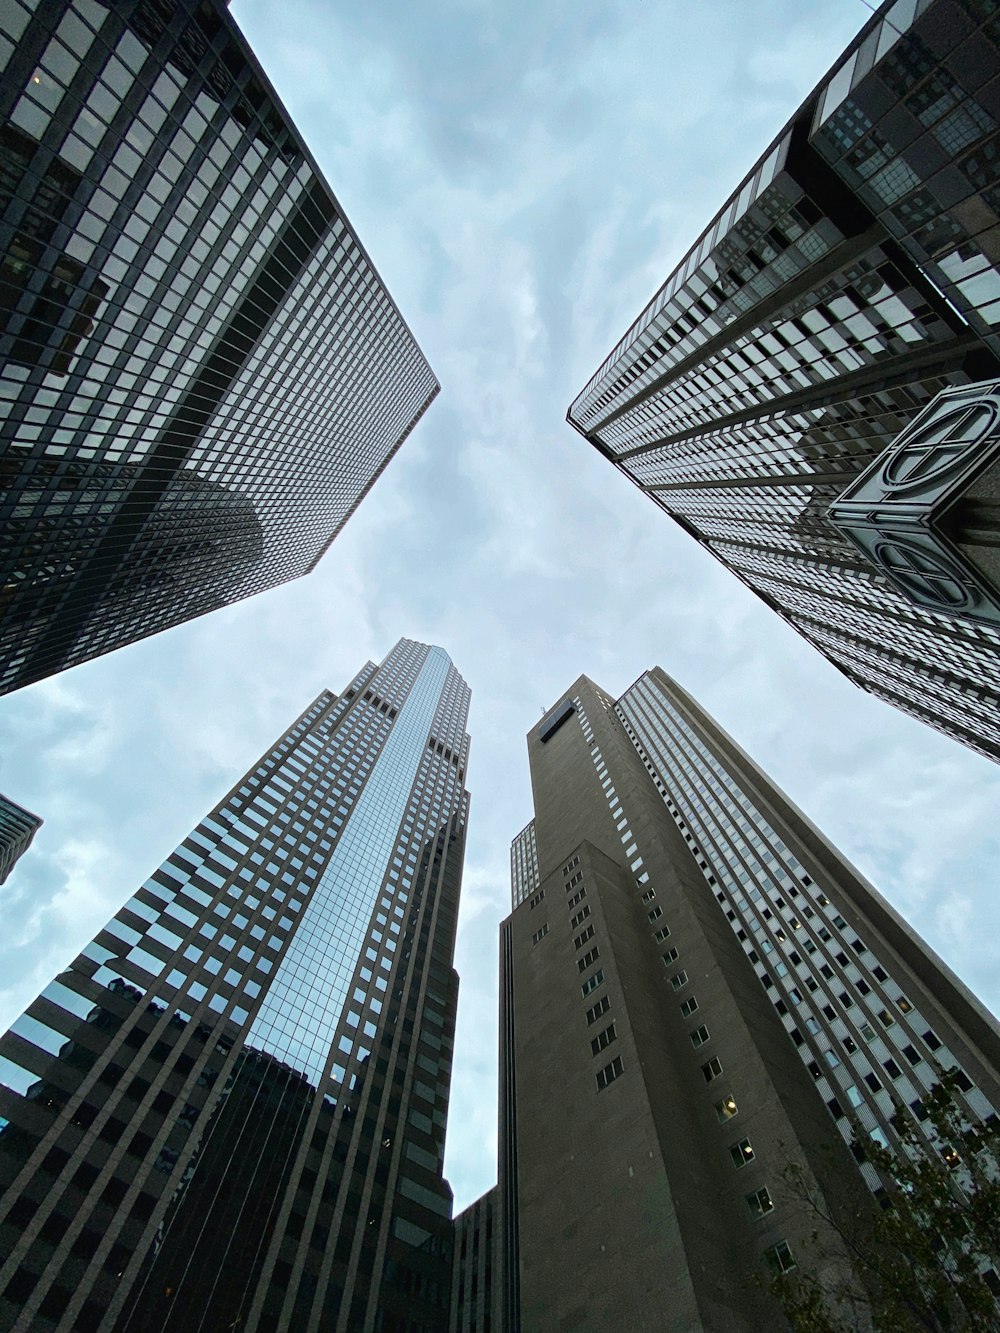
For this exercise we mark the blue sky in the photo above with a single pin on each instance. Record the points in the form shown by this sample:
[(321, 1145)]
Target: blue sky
[(524, 178)]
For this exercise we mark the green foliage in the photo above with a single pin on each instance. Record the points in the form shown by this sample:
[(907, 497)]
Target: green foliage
[(922, 1256)]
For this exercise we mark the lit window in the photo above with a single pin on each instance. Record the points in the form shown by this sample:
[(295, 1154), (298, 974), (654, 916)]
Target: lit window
[(741, 1153), (760, 1203), (726, 1109)]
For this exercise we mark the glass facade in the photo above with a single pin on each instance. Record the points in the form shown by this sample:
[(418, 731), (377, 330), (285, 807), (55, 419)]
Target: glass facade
[(523, 865), (707, 1018), (865, 1041), (251, 1062), (852, 277), (201, 372), (17, 828)]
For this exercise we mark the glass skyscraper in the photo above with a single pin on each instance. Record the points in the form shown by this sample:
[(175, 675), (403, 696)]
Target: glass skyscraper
[(17, 829), (201, 372), (698, 994), (229, 1111), (850, 279)]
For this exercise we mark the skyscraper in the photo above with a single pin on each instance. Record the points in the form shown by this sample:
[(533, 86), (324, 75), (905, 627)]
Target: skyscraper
[(852, 277), (229, 1111), (201, 372), (17, 828), (698, 993)]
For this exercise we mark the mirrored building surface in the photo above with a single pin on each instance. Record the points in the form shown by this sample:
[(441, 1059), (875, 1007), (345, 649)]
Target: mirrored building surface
[(700, 996), (851, 278), (229, 1111), (201, 372)]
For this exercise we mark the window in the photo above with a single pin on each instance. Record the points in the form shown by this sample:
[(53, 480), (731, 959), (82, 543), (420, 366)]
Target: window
[(609, 1073), (712, 1070), (536, 900), (592, 983), (726, 1109), (670, 956), (689, 1006), (779, 1258), (603, 1039), (679, 980), (589, 957), (661, 934), (760, 1203), (655, 913), (582, 939), (540, 934), (741, 1153), (601, 1007), (649, 895), (578, 897), (574, 921), (699, 1036)]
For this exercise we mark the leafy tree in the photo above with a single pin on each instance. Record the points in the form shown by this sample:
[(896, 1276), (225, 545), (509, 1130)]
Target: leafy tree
[(928, 1258)]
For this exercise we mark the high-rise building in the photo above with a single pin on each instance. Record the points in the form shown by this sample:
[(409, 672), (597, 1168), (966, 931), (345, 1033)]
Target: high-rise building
[(201, 372), (698, 994), (475, 1250), (852, 277), (17, 828), (229, 1111)]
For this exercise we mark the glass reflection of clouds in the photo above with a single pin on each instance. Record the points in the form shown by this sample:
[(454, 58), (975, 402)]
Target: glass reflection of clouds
[(299, 1015)]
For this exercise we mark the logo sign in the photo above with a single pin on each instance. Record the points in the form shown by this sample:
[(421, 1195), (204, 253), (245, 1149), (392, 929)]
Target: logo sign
[(901, 511), (924, 575), (939, 445)]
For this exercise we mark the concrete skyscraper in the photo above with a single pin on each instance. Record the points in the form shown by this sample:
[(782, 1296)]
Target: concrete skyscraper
[(852, 277), (201, 372), (697, 992), (229, 1111)]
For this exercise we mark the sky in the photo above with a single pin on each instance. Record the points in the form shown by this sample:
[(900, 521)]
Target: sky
[(524, 178)]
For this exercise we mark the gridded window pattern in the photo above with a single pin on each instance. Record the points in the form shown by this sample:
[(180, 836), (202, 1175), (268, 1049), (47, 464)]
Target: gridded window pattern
[(17, 828), (523, 866), (861, 1036), (603, 1039), (851, 277), (265, 986), (592, 983), (609, 1073), (201, 373)]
